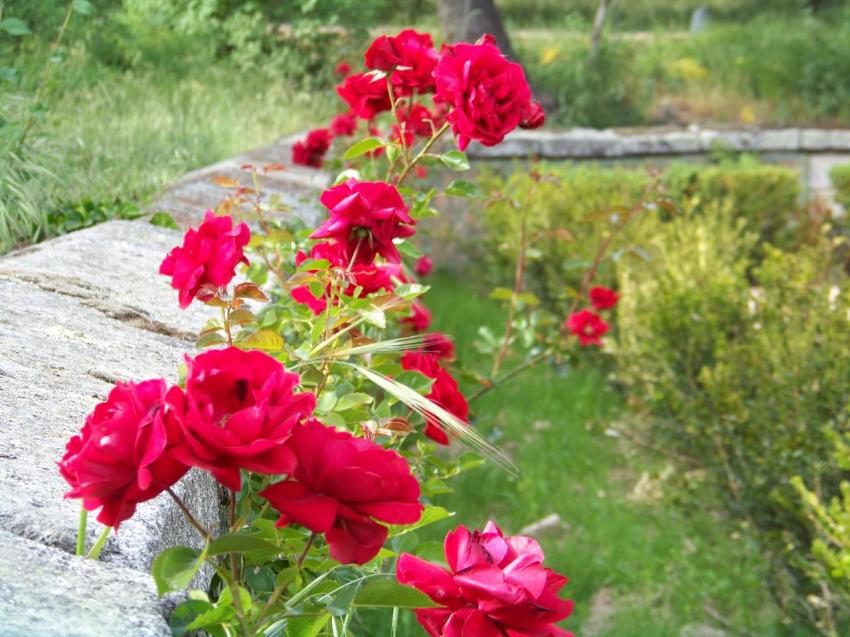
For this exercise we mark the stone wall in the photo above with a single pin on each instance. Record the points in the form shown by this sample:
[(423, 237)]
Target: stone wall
[(78, 313)]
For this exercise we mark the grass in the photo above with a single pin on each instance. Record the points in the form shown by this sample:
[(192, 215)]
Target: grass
[(107, 134), (660, 565)]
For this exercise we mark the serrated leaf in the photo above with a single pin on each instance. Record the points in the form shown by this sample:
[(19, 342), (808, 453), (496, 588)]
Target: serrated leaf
[(355, 399), (164, 220), (267, 340), (242, 316), (501, 294), (14, 26), (363, 146), (174, 568), (456, 160), (388, 593), (224, 181), (461, 188), (430, 515), (209, 339), (248, 290), (374, 316)]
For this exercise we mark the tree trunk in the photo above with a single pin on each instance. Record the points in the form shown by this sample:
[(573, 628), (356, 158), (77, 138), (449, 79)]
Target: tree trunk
[(468, 20), (598, 27)]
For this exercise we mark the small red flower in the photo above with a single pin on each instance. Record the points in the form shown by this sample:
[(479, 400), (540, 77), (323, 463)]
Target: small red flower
[(343, 125), (124, 453), (311, 150), (341, 485), (588, 326), (533, 117), (208, 256), (419, 120), (343, 69), (603, 298), (366, 216), (440, 346), (237, 412), (495, 586), (488, 95), (444, 391), (420, 172), (368, 277), (365, 94), (410, 55), (423, 266), (419, 319)]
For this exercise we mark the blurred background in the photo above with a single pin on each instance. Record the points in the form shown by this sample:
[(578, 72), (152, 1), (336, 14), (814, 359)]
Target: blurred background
[(689, 477)]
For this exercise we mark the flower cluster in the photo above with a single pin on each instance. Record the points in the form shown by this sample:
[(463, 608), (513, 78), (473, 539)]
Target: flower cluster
[(494, 586), (586, 324)]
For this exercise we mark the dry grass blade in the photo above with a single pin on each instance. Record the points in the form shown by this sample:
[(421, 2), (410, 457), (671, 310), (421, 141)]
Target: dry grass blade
[(454, 426), (401, 344)]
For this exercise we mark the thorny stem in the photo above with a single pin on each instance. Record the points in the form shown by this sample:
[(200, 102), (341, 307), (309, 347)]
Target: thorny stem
[(191, 518), (399, 123), (422, 153)]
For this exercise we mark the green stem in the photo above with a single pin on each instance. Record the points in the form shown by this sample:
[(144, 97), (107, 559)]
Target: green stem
[(94, 553), (422, 153), (81, 531), (542, 356)]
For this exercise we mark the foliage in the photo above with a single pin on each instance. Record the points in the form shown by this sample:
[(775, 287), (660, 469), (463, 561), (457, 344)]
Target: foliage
[(747, 382), (840, 177)]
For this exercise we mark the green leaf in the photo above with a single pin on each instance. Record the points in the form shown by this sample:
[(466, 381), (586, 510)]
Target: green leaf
[(374, 316), (501, 294), (363, 146), (388, 593), (461, 188), (430, 515), (267, 340), (456, 160), (83, 7), (355, 399), (209, 339), (418, 382), (239, 543), (164, 220), (174, 568), (14, 26), (306, 626)]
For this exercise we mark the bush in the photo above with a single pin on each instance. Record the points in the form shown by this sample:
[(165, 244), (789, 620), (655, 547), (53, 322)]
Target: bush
[(840, 177), (762, 196), (747, 380)]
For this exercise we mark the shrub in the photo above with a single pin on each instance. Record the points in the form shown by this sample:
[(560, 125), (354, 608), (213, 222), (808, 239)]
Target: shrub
[(840, 177), (747, 380)]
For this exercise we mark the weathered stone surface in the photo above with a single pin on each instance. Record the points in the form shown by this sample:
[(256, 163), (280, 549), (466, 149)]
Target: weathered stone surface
[(81, 312), (49, 593)]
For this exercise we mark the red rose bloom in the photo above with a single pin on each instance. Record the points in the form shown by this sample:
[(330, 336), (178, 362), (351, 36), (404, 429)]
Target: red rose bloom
[(603, 298), (420, 172), (423, 266), (444, 392), (311, 151), (440, 346), (588, 326), (366, 216), (365, 95), (343, 125), (209, 255), (341, 485), (533, 117), (495, 586), (418, 120), (343, 69), (124, 453), (370, 277), (236, 412), (411, 57), (419, 319), (488, 95)]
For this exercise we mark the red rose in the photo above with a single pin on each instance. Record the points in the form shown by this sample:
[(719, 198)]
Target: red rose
[(124, 453), (343, 125), (311, 151), (343, 69), (533, 117), (588, 326), (341, 485), (208, 256), (487, 94), (419, 120), (237, 411), (495, 586), (603, 298), (439, 345), (369, 277), (444, 392), (423, 266), (411, 57), (419, 319), (365, 94), (366, 216), (420, 172)]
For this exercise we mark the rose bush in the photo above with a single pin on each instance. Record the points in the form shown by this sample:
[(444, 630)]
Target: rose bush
[(321, 395)]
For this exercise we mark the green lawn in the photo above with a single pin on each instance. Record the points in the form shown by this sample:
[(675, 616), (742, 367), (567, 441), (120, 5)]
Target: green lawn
[(662, 564)]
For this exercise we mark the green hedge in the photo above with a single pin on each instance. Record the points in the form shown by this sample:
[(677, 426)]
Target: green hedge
[(840, 177), (741, 364), (582, 199)]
